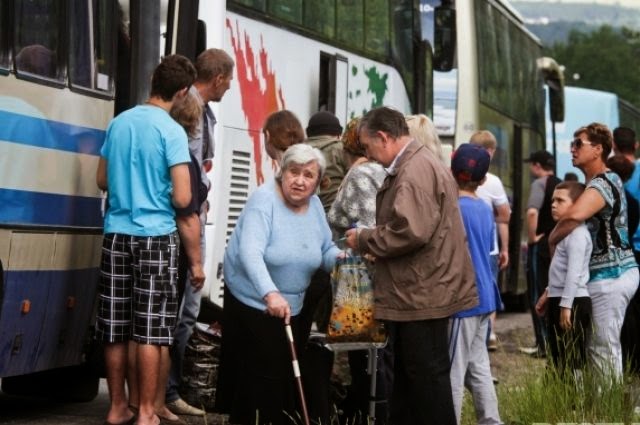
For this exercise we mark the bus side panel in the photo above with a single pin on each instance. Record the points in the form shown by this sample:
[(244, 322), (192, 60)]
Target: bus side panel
[(48, 300)]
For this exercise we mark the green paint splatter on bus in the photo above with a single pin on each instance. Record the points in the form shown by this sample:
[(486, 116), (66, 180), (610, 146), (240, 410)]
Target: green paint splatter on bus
[(377, 86), (354, 70)]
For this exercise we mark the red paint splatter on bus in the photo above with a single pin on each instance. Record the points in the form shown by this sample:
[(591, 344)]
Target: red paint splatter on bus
[(257, 103)]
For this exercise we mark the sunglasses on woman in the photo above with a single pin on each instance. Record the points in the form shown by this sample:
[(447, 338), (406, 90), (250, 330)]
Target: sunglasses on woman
[(577, 144)]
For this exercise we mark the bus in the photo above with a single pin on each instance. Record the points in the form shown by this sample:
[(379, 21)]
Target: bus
[(67, 67), (489, 74), (583, 106)]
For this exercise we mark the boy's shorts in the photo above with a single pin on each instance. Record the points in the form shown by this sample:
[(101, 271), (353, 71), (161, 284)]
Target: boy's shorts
[(137, 295)]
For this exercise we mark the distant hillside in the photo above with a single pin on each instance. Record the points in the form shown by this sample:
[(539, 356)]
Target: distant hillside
[(552, 21)]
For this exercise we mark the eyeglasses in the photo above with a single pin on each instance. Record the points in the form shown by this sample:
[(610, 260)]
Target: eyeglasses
[(577, 144)]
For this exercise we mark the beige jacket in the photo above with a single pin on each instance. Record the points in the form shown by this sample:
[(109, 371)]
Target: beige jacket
[(423, 267)]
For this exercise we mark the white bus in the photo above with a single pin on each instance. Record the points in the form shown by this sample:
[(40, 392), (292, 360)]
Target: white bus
[(486, 78), (67, 66)]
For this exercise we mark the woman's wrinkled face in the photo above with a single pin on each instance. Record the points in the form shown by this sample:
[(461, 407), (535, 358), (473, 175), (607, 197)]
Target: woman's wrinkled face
[(299, 182)]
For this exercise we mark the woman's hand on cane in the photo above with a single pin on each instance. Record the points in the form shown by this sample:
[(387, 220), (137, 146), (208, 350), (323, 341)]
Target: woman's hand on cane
[(277, 306)]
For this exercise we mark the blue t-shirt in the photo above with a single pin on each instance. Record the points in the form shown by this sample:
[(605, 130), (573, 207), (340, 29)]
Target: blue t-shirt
[(633, 187), (140, 146), (612, 254), (479, 225), (274, 249)]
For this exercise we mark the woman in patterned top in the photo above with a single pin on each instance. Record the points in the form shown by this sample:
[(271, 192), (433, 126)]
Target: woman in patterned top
[(612, 268), (355, 205)]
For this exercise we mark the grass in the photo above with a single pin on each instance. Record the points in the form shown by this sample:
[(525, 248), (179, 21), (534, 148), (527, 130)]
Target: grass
[(531, 392)]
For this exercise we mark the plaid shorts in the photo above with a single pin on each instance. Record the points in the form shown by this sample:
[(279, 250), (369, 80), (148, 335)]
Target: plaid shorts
[(137, 295)]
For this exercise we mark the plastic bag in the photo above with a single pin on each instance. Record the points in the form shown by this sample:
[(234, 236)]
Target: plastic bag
[(352, 313)]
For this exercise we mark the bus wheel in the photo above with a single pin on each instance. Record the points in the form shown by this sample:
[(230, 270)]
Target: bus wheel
[(74, 383)]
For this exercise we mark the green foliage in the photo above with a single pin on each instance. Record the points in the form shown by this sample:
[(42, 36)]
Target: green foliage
[(607, 59), (544, 395)]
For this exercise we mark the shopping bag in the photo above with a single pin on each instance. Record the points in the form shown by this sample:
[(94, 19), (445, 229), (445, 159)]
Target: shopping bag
[(352, 313)]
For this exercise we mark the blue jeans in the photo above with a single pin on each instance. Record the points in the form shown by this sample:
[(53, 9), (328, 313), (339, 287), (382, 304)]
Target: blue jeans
[(188, 313)]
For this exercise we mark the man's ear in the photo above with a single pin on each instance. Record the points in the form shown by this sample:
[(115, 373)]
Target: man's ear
[(182, 93)]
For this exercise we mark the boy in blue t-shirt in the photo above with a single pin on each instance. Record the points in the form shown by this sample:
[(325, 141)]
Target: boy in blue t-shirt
[(467, 343)]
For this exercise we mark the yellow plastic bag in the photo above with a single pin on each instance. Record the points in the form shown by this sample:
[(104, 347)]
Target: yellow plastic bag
[(352, 313)]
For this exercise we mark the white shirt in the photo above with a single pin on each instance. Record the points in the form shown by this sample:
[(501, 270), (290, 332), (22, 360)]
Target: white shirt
[(492, 192)]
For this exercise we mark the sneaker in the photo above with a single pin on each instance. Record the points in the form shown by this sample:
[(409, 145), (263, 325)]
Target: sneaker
[(181, 407), (492, 344), (533, 352)]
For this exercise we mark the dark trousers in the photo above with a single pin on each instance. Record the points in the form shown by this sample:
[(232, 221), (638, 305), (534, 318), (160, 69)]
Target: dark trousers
[(421, 386), (356, 406), (255, 382), (537, 282), (568, 348), (630, 333)]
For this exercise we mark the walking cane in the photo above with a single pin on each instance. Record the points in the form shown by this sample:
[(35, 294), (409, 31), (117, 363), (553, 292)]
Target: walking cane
[(296, 373)]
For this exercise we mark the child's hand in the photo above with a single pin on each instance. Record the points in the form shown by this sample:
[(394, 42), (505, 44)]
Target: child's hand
[(541, 305), (565, 318)]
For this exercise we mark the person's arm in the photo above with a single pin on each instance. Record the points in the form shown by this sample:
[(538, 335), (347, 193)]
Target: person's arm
[(578, 249), (416, 215), (181, 182), (189, 230), (585, 207), (532, 225), (534, 204), (101, 174), (503, 214)]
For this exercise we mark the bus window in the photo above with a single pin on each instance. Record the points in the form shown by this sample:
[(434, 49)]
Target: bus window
[(4, 37), (255, 4), (91, 45), (402, 36), (350, 22), (288, 10), (377, 26), (38, 39), (320, 16)]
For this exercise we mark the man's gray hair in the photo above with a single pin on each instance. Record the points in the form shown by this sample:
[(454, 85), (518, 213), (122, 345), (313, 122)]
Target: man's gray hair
[(301, 154)]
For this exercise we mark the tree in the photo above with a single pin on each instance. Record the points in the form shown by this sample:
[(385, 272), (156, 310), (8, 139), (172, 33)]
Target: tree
[(607, 59)]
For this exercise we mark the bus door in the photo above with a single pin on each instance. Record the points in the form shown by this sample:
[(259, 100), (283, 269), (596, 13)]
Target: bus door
[(333, 85)]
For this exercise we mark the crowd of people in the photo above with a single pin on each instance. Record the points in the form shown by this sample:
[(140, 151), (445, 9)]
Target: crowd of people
[(434, 238)]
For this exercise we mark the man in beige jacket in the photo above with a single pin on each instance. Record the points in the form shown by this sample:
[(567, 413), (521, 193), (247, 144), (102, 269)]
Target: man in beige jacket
[(424, 272)]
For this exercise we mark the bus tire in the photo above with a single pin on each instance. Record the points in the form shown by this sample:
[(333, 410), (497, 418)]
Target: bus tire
[(68, 384)]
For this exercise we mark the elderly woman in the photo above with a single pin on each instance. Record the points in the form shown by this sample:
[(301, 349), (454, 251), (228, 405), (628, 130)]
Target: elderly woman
[(612, 268), (355, 203), (281, 238)]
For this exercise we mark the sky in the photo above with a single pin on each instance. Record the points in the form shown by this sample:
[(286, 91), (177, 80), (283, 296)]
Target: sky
[(626, 3)]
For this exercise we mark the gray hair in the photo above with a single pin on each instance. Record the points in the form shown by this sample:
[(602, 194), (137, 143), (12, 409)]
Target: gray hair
[(301, 154)]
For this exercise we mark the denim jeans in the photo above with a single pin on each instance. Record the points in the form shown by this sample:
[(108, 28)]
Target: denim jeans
[(187, 315)]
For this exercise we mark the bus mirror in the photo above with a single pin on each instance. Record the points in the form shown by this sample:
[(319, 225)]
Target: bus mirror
[(444, 37), (556, 102), (554, 79)]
